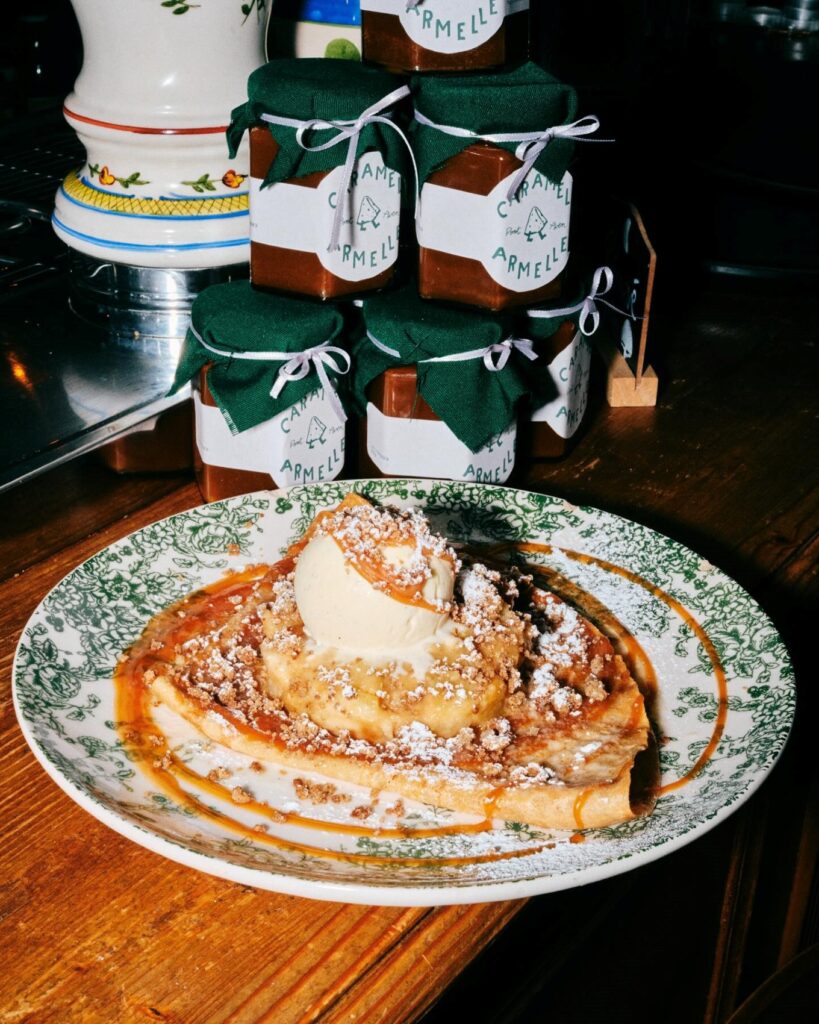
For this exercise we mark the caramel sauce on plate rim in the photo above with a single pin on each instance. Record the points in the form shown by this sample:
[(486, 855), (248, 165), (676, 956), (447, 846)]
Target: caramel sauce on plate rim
[(133, 703)]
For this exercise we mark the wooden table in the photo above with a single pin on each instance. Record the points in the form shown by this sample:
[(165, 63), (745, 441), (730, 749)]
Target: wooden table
[(96, 929)]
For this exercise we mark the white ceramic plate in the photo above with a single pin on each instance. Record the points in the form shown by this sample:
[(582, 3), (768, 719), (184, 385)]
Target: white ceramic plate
[(690, 619)]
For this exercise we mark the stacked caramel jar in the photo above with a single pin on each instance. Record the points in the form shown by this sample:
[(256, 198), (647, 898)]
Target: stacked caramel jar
[(443, 338), (454, 375)]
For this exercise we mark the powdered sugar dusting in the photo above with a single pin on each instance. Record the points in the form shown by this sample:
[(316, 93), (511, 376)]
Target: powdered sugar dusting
[(519, 662)]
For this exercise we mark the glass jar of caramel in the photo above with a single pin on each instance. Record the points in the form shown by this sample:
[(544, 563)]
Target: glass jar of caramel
[(269, 400), (445, 35), (439, 388), (493, 153), (326, 172)]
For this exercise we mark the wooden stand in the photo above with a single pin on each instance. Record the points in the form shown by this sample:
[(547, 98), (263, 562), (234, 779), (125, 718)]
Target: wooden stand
[(624, 388)]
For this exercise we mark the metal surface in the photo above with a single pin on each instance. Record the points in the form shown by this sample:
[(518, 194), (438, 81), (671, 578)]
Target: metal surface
[(68, 386), (139, 302)]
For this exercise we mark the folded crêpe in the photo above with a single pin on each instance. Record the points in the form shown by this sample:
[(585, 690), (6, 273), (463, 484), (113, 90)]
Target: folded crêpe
[(373, 654)]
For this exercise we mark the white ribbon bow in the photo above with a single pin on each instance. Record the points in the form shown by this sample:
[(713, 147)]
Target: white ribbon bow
[(348, 131), (318, 357), (602, 283), (531, 145), (296, 366), (530, 149), (495, 357)]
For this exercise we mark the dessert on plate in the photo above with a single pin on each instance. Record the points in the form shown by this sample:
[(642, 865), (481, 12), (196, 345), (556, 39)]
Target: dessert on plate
[(375, 654)]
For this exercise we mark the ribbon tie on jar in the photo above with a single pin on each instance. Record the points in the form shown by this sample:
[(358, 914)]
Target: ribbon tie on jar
[(495, 357), (589, 319), (297, 365), (531, 144), (319, 357), (529, 150), (348, 131)]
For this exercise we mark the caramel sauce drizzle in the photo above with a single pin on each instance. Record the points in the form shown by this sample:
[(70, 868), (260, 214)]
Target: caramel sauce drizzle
[(139, 730), (135, 719), (134, 715), (577, 813), (641, 661)]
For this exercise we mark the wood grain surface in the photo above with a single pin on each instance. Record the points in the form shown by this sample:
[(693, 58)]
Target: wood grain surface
[(95, 929)]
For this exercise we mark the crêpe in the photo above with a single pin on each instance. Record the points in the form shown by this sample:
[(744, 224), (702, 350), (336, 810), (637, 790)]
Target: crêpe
[(520, 710)]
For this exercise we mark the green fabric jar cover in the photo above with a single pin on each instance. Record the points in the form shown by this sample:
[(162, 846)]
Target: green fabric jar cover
[(526, 99), (475, 403), (309, 88), (235, 318)]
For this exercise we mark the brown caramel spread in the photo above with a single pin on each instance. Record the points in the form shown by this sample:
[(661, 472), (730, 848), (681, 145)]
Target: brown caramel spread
[(385, 42), (289, 270), (478, 169), (218, 482)]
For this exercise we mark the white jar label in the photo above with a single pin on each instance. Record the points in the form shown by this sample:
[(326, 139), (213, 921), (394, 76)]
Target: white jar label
[(410, 447), (303, 444), (522, 243), (570, 370), (294, 217), (449, 26)]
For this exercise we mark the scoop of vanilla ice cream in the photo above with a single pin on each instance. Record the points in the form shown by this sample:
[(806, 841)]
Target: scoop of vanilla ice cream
[(340, 608)]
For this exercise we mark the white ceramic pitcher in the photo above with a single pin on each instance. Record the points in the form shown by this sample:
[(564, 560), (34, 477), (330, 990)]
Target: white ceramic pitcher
[(151, 105)]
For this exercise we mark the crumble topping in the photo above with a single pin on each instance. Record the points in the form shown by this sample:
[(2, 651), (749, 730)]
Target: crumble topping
[(363, 530), (555, 666), (496, 735), (318, 793)]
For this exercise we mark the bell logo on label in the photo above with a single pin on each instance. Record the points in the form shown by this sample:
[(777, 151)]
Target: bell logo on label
[(316, 432), (303, 444), (536, 225), (534, 241), (367, 214), (368, 241)]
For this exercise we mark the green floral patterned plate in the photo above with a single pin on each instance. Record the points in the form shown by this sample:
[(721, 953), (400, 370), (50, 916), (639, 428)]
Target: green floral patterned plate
[(725, 704)]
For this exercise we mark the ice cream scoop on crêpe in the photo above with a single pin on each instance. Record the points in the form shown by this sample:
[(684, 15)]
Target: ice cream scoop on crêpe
[(372, 639)]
